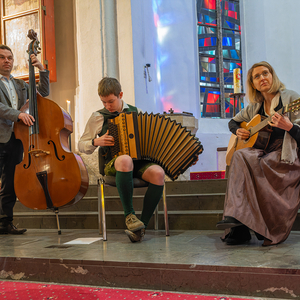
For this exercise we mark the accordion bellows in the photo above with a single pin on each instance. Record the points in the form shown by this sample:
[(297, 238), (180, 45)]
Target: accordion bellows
[(155, 138)]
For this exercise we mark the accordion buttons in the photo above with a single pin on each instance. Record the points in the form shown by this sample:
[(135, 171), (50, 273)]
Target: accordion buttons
[(131, 136)]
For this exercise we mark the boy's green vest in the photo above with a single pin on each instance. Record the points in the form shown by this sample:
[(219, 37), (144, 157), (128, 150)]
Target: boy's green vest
[(105, 151)]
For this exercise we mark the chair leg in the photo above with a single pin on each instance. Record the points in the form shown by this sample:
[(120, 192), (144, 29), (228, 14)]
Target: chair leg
[(57, 220), (101, 209), (156, 218), (165, 211)]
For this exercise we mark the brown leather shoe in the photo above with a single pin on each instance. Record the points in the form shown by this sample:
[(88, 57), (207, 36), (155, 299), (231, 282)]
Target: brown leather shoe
[(10, 228), (136, 236), (133, 223)]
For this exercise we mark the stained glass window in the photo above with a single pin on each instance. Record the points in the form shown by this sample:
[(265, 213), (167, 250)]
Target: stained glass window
[(231, 49)]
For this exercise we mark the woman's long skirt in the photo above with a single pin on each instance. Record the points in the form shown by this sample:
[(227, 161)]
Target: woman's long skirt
[(263, 193)]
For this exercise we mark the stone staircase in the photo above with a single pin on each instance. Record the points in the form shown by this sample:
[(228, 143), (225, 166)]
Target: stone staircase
[(191, 205)]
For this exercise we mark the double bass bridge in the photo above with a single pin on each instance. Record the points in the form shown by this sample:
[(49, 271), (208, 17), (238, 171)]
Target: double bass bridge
[(38, 152)]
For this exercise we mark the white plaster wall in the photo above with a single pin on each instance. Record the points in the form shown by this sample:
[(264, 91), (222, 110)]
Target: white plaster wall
[(213, 134), (144, 50), (270, 32), (126, 66), (89, 60)]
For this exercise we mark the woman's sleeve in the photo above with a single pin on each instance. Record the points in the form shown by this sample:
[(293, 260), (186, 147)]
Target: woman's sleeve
[(233, 126), (295, 133)]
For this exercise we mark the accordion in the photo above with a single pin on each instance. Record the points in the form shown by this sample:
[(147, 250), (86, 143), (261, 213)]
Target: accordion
[(155, 138)]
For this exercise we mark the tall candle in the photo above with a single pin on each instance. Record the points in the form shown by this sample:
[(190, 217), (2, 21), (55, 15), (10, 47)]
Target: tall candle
[(68, 106), (237, 80)]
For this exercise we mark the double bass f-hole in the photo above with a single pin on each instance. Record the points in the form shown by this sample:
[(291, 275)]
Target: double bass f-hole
[(55, 150), (29, 157)]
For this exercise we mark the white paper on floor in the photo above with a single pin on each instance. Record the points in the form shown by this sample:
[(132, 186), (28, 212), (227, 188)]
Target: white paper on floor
[(83, 241)]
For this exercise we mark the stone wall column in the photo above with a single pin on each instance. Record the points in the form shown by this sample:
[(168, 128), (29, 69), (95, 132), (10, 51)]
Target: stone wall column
[(96, 57), (109, 37)]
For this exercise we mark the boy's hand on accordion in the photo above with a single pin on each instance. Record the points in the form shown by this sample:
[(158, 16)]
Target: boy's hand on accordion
[(104, 140)]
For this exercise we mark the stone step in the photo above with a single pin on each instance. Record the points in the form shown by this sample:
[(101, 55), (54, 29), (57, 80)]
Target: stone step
[(115, 220), (197, 186), (174, 202), (191, 205), (178, 220), (173, 187)]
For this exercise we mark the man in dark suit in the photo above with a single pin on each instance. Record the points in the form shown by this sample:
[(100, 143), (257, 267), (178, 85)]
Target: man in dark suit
[(13, 96)]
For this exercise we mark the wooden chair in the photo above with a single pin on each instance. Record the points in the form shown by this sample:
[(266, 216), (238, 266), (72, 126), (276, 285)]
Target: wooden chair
[(111, 180)]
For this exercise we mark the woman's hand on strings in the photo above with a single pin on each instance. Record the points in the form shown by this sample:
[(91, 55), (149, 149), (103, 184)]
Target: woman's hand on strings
[(242, 134), (104, 140), (281, 121)]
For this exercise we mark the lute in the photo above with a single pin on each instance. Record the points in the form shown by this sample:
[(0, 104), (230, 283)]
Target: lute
[(260, 131)]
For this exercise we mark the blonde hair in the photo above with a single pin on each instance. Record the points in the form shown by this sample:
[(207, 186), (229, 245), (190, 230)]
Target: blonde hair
[(254, 95)]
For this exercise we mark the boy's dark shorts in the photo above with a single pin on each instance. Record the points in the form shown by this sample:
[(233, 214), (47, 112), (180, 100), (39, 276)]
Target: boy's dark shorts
[(139, 167)]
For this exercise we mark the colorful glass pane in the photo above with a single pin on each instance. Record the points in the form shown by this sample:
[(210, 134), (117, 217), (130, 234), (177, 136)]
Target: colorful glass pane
[(228, 24), (227, 41), (231, 43), (210, 106), (228, 78), (234, 54), (210, 4), (212, 98), (226, 53)]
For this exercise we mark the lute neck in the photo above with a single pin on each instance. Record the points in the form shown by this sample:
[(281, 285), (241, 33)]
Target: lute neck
[(264, 123)]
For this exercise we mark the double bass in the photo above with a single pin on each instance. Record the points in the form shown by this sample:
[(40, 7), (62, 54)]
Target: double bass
[(50, 175)]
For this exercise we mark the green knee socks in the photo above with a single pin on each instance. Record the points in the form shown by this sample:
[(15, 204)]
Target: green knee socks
[(151, 199), (124, 182)]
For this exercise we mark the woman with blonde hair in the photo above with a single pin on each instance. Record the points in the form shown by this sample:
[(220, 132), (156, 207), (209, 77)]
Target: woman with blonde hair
[(263, 184)]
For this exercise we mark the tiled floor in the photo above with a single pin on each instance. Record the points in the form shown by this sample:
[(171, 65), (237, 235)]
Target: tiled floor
[(181, 247), (201, 252)]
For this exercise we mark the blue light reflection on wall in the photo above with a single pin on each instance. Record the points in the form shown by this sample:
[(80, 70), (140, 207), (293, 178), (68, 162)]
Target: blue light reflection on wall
[(176, 66), (162, 23)]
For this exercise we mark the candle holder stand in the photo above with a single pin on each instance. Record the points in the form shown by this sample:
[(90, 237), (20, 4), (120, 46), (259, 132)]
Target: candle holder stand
[(237, 97)]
